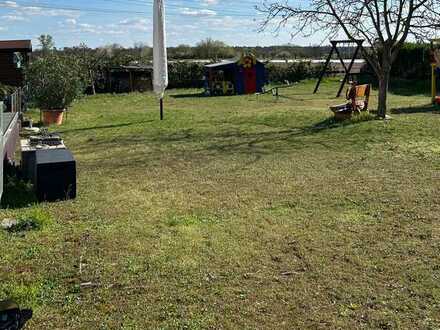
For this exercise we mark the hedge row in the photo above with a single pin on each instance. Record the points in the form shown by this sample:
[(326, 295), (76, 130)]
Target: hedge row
[(291, 72), (413, 62), (185, 75), (191, 75)]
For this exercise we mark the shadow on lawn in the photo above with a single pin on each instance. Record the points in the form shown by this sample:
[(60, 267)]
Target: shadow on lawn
[(189, 145), (428, 108), (410, 87), (252, 141), (184, 96), (82, 129), (17, 193)]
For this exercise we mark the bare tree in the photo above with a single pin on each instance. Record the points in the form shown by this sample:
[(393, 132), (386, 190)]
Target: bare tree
[(384, 24)]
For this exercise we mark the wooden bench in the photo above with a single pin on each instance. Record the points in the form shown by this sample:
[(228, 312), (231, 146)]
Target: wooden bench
[(358, 99)]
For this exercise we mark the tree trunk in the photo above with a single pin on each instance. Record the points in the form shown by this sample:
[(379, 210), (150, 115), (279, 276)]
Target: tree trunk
[(384, 80), (92, 81)]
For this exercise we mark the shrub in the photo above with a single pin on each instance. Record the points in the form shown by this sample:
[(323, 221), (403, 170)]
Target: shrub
[(6, 90), (186, 74), (413, 62), (292, 72), (34, 219), (55, 81)]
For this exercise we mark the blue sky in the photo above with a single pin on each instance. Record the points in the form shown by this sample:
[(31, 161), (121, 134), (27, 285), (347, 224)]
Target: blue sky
[(101, 22)]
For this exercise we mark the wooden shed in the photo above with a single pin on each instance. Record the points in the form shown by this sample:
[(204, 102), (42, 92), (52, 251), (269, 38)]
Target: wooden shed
[(128, 78), (14, 55), (244, 76)]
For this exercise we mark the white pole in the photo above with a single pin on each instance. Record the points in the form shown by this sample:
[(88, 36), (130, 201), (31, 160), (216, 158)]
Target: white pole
[(160, 62)]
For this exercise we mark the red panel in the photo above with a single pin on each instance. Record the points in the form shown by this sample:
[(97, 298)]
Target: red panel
[(250, 80)]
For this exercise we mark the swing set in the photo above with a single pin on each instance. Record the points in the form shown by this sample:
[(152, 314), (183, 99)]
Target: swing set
[(336, 45)]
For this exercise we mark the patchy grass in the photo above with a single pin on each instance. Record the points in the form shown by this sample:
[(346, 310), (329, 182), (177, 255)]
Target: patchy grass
[(32, 219), (237, 212)]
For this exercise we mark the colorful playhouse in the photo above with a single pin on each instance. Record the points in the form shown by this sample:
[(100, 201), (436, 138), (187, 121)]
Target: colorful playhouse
[(234, 77)]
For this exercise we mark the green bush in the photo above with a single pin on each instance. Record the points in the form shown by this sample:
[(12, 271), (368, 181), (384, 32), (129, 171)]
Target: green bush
[(55, 81), (292, 72), (33, 219), (412, 62), (186, 74), (17, 193), (6, 90)]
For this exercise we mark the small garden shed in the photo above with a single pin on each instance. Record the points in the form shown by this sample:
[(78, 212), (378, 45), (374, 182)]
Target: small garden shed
[(244, 76), (127, 78), (14, 54)]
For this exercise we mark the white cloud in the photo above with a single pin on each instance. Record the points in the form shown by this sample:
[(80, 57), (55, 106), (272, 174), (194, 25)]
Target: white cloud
[(70, 21), (72, 25), (136, 24), (20, 10), (198, 13), (229, 22), (9, 4), (13, 18)]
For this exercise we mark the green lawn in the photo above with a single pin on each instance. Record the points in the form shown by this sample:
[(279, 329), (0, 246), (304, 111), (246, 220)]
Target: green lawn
[(236, 213)]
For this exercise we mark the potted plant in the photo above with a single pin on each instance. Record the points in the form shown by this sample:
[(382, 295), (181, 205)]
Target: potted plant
[(54, 81)]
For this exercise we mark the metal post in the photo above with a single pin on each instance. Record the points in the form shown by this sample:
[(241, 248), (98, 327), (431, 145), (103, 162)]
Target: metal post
[(161, 109)]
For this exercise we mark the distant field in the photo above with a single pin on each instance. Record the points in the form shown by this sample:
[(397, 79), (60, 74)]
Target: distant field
[(238, 212)]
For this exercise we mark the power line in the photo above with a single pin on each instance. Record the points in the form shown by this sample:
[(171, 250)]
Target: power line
[(167, 4), (6, 4)]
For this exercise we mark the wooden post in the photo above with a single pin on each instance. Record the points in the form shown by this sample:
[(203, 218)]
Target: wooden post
[(161, 108), (433, 82), (324, 70), (131, 81), (341, 59), (359, 46)]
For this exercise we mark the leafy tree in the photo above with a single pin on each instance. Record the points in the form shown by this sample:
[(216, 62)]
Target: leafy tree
[(47, 43), (182, 52), (55, 81), (213, 49), (142, 51)]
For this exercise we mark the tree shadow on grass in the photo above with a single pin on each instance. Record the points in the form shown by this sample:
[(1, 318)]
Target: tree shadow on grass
[(82, 129), (262, 139), (410, 87), (428, 108), (191, 145), (193, 95)]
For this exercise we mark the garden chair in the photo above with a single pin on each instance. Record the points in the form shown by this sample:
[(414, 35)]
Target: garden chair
[(358, 97)]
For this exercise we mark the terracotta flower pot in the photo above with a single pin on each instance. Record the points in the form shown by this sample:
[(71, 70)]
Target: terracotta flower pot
[(51, 117)]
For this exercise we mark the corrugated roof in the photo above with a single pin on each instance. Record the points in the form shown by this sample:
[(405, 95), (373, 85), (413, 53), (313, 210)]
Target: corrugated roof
[(132, 68), (222, 63), (16, 44)]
